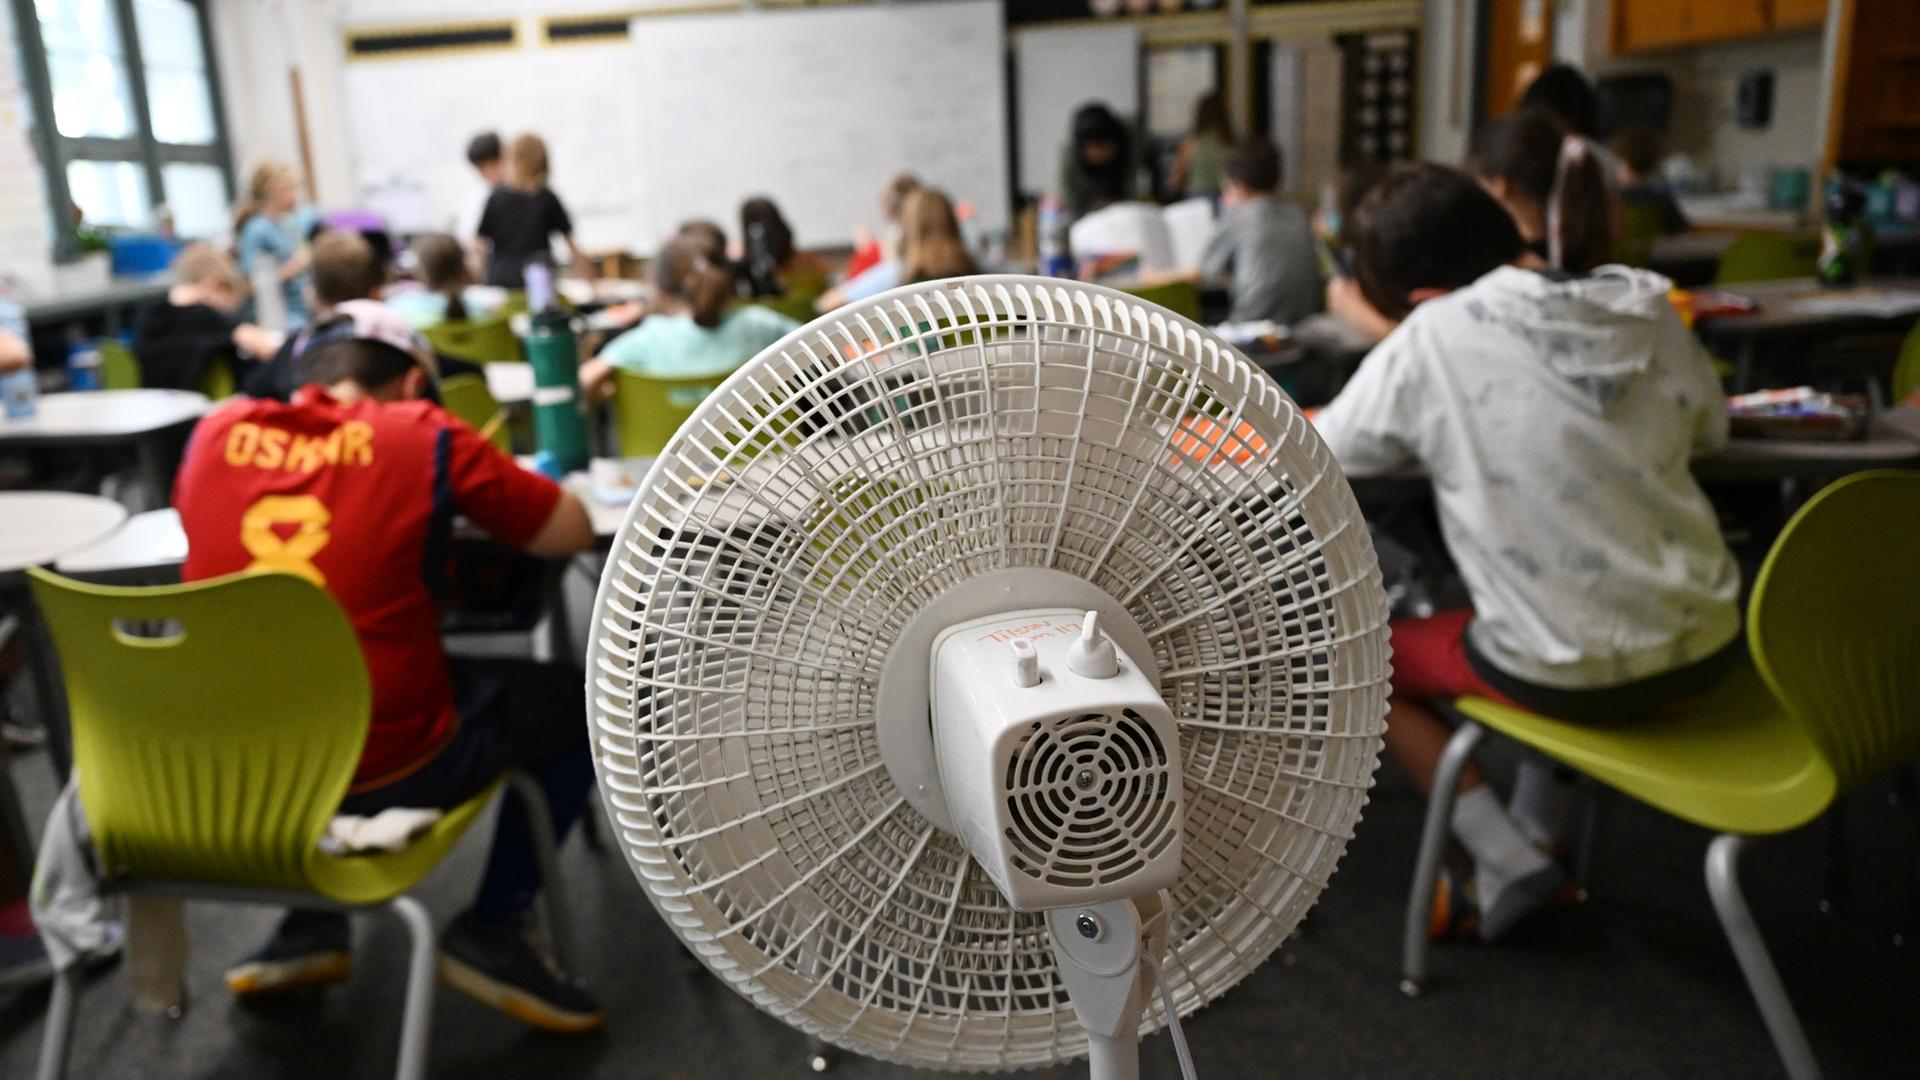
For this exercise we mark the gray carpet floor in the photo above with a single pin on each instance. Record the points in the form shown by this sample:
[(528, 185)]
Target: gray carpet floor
[(1635, 983)]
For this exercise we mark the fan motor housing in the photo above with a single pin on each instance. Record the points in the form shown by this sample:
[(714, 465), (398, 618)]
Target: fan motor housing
[(1066, 791)]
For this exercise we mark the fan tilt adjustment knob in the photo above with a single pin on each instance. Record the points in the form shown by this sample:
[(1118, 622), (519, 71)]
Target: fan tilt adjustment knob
[(1026, 663), (1091, 654)]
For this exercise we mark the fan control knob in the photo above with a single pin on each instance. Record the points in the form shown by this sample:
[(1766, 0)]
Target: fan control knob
[(1091, 655), (1026, 663)]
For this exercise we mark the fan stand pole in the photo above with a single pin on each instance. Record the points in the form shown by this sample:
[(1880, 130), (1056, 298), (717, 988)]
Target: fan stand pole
[(1097, 948)]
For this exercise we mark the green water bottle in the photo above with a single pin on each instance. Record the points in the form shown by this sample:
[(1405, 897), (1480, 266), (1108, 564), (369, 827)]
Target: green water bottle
[(559, 417)]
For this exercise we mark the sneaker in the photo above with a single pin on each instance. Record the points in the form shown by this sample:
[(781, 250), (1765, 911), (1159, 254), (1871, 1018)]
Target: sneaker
[(509, 967), (23, 961), (308, 949)]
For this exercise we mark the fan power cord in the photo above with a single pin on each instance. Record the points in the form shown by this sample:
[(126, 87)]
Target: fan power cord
[(1173, 1018)]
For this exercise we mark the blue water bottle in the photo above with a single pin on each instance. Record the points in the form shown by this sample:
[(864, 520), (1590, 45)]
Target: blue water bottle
[(1054, 258), (19, 390)]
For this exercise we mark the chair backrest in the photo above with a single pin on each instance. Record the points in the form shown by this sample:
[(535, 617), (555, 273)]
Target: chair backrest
[(484, 341), (119, 368), (1640, 229), (1768, 256), (647, 411), (1179, 297), (1906, 370), (797, 306), (1834, 625), (218, 751), (467, 397), (218, 383)]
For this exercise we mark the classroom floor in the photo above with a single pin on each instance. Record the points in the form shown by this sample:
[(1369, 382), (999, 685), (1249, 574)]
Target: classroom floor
[(1637, 983)]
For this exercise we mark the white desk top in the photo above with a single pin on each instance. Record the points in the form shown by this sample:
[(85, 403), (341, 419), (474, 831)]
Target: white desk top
[(105, 416), (509, 381), (150, 541), (43, 525)]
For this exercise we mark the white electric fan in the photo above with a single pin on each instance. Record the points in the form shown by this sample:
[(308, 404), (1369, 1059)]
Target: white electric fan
[(981, 657)]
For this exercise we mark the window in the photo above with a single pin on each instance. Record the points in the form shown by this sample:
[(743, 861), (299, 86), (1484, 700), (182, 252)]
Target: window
[(126, 114)]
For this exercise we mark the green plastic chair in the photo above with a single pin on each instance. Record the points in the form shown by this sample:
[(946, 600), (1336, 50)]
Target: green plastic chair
[(218, 383), (1640, 229), (209, 762), (1830, 700), (797, 306), (1768, 256), (1179, 297), (647, 411), (1906, 370), (485, 341), (119, 368), (467, 397)]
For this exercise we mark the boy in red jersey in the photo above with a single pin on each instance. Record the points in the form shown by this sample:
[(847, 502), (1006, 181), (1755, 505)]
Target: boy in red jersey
[(354, 485)]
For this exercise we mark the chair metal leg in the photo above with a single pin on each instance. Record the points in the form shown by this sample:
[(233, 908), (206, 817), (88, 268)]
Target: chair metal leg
[(1750, 949), (590, 833), (553, 888), (1433, 844), (57, 1042), (1589, 839), (1839, 884), (416, 1021)]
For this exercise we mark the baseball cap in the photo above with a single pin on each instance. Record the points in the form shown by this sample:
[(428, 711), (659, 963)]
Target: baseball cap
[(371, 321)]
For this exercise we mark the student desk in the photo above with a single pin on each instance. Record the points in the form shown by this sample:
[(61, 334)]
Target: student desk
[(1800, 311), (40, 527), (147, 549), (94, 419)]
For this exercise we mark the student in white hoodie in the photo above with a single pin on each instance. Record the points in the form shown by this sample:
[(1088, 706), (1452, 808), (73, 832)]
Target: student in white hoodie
[(1557, 416)]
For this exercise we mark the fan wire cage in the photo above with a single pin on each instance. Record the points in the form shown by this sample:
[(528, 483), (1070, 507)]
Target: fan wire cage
[(885, 456)]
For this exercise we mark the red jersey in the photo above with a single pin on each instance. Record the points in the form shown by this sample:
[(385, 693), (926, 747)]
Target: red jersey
[(358, 498)]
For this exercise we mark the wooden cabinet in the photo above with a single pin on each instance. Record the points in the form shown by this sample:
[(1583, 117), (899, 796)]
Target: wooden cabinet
[(1667, 24), (1649, 24), (1799, 14), (1717, 20)]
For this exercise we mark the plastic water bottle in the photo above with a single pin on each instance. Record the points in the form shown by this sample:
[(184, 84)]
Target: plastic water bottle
[(83, 366), (1054, 259), (1843, 236), (19, 390)]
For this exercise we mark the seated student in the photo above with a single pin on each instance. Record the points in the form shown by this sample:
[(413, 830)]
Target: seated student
[(179, 340), (1262, 245), (1641, 187), (929, 247), (344, 267), (1553, 183), (443, 728), (1100, 161), (772, 265), (870, 251), (523, 215), (442, 295), (1556, 416), (696, 330)]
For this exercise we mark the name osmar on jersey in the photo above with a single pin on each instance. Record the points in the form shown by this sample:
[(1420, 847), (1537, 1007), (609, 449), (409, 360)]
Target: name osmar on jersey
[(250, 444)]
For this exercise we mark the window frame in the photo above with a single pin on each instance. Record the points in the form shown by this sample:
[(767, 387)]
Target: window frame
[(140, 148)]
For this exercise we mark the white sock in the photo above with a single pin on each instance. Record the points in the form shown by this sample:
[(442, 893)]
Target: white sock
[(1542, 802), (1512, 876)]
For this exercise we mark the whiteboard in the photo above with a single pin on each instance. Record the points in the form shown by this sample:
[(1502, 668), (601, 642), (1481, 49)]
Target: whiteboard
[(816, 108), (1059, 70), (410, 119)]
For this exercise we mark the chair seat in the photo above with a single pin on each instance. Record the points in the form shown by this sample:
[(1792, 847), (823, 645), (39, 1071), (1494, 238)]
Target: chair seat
[(1732, 761), (378, 877)]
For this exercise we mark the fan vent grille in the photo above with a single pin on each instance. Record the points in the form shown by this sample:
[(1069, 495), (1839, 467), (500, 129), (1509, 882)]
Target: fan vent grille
[(1087, 799)]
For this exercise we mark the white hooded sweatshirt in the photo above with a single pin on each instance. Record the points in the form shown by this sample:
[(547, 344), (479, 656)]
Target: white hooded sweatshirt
[(1557, 420)]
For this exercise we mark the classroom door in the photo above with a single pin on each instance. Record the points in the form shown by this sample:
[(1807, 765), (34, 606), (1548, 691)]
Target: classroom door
[(1519, 44)]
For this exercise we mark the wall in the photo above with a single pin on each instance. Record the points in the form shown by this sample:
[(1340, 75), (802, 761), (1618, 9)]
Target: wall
[(1447, 62)]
